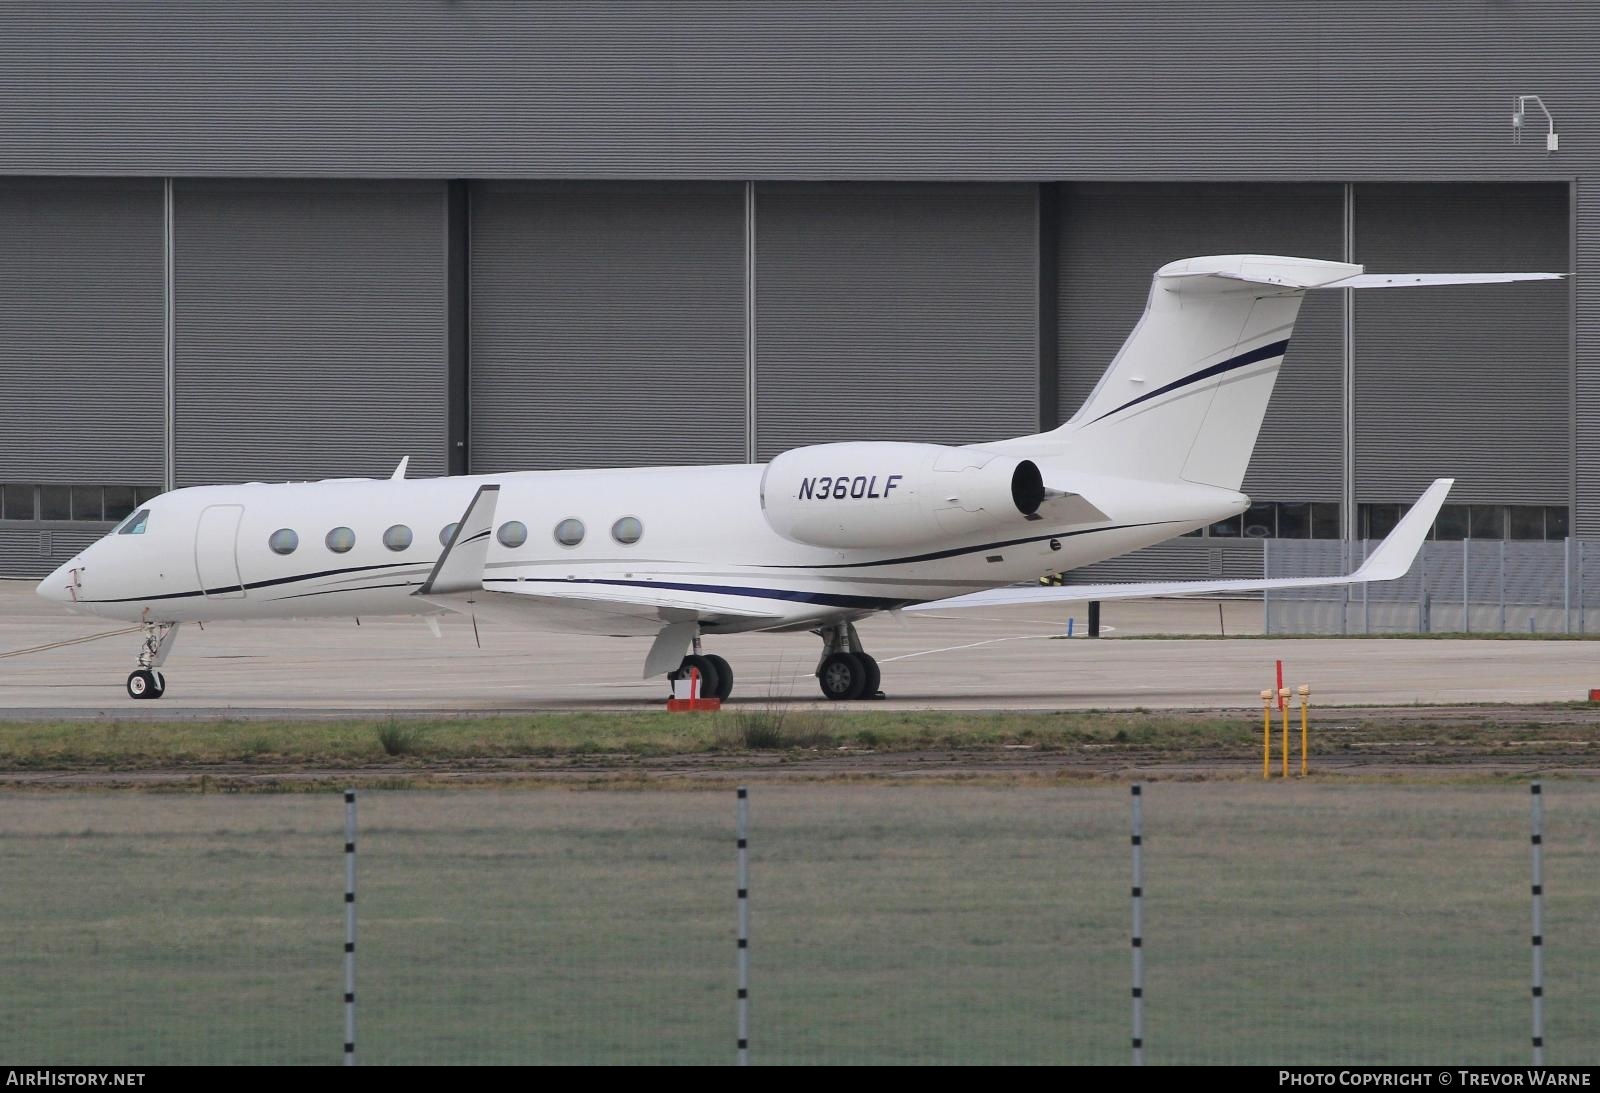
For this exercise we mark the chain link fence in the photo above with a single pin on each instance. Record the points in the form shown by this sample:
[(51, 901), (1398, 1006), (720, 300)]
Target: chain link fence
[(1470, 586), (1294, 923)]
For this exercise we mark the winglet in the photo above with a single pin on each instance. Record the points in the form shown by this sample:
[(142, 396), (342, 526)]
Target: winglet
[(400, 471), (460, 567), (1398, 550)]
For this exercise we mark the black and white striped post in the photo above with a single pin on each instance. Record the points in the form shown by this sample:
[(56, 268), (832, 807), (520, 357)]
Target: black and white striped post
[(744, 926), (349, 927), (1138, 925), (1537, 844)]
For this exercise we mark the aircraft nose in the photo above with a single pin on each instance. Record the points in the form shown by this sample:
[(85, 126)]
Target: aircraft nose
[(55, 587)]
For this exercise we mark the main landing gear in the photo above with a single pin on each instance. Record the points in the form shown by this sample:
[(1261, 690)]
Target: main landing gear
[(146, 681), (846, 670), (716, 674)]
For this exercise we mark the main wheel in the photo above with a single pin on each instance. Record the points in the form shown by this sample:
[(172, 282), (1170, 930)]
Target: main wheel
[(842, 676), (709, 682), (724, 677), (873, 687), (142, 684)]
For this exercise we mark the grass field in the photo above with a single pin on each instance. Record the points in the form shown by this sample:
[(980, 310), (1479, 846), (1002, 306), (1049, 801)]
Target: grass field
[(901, 923), (407, 745)]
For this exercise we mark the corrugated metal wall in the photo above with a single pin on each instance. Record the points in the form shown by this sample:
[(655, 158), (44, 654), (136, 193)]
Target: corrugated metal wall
[(903, 312), (81, 312), (1586, 346), (608, 325), (1113, 239), (696, 89), (310, 329), (82, 389), (1468, 381)]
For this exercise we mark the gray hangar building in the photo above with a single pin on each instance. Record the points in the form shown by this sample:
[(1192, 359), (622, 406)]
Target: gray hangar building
[(294, 239)]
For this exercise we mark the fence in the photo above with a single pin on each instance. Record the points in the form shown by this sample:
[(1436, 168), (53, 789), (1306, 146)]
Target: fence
[(1471, 586), (1284, 923)]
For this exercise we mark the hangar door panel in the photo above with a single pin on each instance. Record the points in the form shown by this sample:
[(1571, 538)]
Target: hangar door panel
[(310, 329), (608, 325), (1470, 381), (895, 312), (81, 338), (1113, 239)]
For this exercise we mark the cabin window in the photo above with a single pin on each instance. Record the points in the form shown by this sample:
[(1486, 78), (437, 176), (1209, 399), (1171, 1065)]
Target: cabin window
[(445, 533), (282, 541), (397, 537), (135, 524), (569, 532), (627, 530), (512, 533), (340, 540)]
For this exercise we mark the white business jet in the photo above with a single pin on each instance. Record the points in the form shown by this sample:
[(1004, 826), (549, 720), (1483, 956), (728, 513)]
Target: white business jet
[(818, 539)]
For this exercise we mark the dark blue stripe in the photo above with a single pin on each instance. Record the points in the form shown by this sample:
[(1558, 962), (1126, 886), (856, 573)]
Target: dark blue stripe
[(1276, 349), (255, 584), (825, 599)]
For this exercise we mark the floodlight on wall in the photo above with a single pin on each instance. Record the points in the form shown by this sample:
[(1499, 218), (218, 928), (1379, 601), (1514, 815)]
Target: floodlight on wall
[(1519, 114)]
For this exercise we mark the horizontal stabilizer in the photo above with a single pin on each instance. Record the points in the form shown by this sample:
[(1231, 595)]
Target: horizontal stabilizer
[(460, 567), (1391, 560)]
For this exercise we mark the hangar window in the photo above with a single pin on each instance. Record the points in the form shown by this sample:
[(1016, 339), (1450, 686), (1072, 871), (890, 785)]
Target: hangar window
[(569, 532), (512, 533), (1489, 523), (445, 533), (16, 502), (55, 502), (119, 501), (340, 540), (78, 502), (283, 541), (1278, 520), (135, 524), (397, 537), (627, 530)]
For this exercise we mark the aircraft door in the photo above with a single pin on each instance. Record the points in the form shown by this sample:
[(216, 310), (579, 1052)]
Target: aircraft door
[(216, 557)]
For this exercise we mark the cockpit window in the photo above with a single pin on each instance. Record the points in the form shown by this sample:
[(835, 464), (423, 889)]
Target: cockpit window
[(133, 525)]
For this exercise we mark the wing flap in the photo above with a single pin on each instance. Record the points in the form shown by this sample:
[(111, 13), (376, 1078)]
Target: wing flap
[(1392, 559), (592, 608)]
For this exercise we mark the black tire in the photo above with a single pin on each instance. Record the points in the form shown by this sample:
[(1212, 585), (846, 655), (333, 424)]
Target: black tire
[(842, 676), (161, 684), (709, 682), (724, 676), (874, 682), (142, 684)]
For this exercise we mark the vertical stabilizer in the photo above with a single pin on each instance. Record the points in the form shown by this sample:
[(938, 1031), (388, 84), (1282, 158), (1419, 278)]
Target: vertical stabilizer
[(1186, 395)]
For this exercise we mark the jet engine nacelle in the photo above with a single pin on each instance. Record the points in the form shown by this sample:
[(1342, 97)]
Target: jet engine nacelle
[(888, 494)]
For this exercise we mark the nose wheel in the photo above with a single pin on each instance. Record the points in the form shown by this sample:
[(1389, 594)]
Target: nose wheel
[(146, 683)]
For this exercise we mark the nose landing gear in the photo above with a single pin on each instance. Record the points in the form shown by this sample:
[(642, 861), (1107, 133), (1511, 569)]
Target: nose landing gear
[(846, 670), (146, 681)]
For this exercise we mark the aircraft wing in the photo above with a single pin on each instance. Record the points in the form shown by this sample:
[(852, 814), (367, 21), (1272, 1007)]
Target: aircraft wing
[(591, 607), (1391, 560)]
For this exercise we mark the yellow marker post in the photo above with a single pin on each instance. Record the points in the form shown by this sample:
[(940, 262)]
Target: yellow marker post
[(1283, 701), (1305, 731), (1266, 734)]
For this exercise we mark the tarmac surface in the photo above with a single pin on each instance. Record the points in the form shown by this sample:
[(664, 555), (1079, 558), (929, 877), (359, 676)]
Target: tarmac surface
[(1003, 658)]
